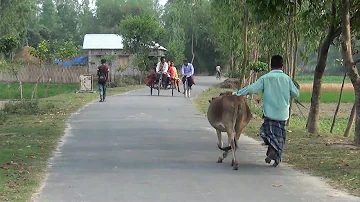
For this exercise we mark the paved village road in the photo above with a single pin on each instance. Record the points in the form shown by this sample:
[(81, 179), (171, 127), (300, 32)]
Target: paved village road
[(142, 148)]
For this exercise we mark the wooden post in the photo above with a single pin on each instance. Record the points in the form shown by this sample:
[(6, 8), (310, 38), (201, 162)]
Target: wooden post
[(21, 90), (338, 105)]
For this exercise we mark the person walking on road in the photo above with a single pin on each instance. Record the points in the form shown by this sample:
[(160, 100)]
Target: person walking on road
[(103, 76), (277, 88)]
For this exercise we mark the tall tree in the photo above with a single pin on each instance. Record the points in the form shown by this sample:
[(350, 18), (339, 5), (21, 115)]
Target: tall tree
[(350, 65), (140, 33), (16, 16), (48, 17)]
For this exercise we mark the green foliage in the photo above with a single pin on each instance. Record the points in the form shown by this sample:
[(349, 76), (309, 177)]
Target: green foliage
[(3, 117), (259, 66), (42, 52), (175, 52), (140, 34), (68, 50), (8, 44), (184, 21), (13, 68), (16, 15), (109, 58), (110, 13), (233, 74)]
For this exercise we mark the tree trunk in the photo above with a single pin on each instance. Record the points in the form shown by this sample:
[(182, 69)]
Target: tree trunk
[(312, 124), (269, 60), (338, 104), (245, 53), (34, 93), (293, 66), (350, 66), (350, 121), (192, 48), (47, 87)]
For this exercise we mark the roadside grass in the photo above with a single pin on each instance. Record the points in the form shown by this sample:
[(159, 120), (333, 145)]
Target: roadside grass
[(29, 137), (330, 156), (12, 91)]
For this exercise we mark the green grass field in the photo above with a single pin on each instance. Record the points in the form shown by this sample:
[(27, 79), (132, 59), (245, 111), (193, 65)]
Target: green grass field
[(325, 79), (12, 91), (328, 97)]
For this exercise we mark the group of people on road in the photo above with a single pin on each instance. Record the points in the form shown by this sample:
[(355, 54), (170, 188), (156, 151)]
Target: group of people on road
[(165, 69), (276, 87), (168, 72)]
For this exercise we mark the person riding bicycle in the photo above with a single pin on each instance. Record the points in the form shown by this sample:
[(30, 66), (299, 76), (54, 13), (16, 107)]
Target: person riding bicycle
[(161, 69), (187, 71), (218, 69)]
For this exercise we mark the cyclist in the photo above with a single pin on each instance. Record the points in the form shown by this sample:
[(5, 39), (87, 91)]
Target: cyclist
[(187, 71), (218, 70)]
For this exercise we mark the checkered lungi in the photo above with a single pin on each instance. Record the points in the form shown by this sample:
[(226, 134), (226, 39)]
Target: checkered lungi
[(274, 134)]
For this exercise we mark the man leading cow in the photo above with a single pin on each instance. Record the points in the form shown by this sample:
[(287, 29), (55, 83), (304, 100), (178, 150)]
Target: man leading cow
[(277, 88)]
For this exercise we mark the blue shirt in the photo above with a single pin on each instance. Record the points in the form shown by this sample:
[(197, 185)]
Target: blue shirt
[(187, 70), (276, 88)]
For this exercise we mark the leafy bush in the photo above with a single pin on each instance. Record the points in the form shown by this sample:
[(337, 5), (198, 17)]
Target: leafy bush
[(48, 108), (124, 81), (28, 107), (259, 66), (3, 117), (233, 74)]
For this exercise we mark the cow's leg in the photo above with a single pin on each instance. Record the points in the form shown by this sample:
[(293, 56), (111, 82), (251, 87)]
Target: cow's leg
[(229, 130), (220, 142), (238, 132)]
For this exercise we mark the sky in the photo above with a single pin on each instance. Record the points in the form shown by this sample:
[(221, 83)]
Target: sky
[(162, 2)]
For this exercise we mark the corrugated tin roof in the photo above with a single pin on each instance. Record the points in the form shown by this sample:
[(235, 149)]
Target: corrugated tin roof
[(106, 41)]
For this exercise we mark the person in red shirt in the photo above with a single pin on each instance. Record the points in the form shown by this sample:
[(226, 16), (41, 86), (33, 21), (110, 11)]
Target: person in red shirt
[(151, 77), (103, 77)]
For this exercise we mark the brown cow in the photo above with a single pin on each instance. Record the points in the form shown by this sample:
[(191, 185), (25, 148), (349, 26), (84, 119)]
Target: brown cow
[(229, 113)]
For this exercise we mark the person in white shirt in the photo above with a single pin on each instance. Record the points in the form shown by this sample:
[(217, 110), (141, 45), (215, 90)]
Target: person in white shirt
[(218, 69), (187, 70), (162, 69)]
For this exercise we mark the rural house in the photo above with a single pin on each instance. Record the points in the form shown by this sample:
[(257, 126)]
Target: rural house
[(111, 45)]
